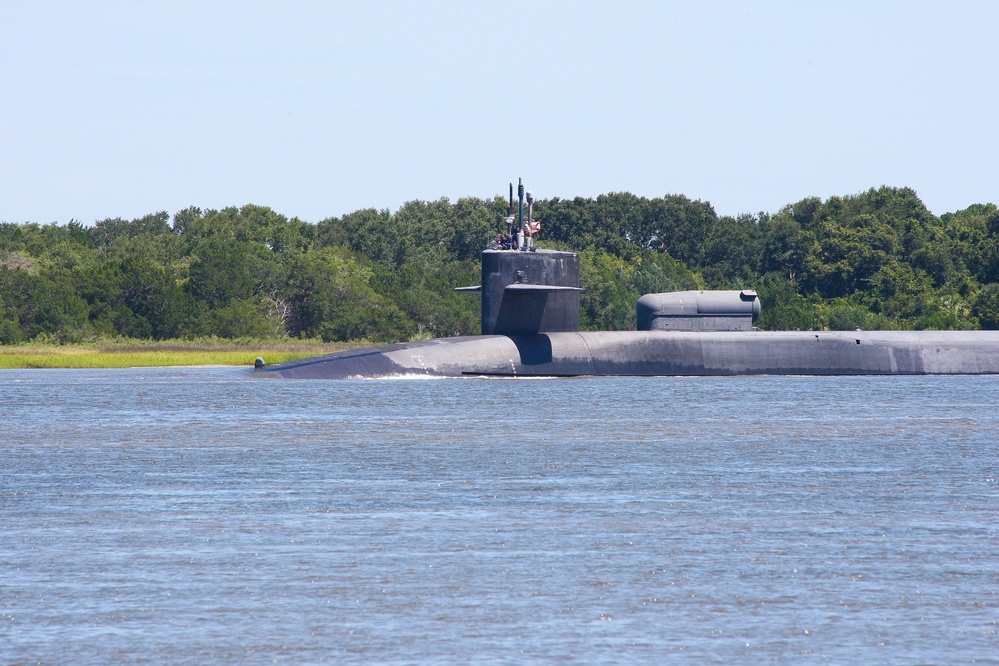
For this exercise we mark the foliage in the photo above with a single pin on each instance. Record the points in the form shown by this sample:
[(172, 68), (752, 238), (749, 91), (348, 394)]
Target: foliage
[(613, 285), (986, 307), (874, 260)]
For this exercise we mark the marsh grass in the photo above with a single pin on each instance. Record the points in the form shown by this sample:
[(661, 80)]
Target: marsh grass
[(138, 353)]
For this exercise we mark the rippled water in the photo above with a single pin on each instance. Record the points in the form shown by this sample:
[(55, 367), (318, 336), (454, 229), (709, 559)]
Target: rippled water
[(208, 516)]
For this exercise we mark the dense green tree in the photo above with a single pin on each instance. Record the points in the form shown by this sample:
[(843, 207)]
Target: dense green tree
[(219, 272), (12, 237), (428, 299), (110, 233), (654, 273), (782, 308), (606, 302), (877, 259), (729, 256), (974, 236), (371, 233), (784, 247), (100, 285), (620, 221), (248, 318), (475, 223), (986, 307), (332, 298), (612, 285), (44, 303), (10, 327), (159, 307)]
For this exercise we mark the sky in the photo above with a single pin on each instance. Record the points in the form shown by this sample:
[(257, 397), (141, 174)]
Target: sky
[(317, 109)]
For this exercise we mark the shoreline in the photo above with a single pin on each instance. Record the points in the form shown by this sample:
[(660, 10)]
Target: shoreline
[(137, 354)]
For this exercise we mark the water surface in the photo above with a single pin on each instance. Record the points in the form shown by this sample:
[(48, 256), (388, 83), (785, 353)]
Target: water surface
[(207, 516)]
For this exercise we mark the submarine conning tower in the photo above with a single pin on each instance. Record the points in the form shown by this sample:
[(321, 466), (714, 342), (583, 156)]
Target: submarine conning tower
[(529, 292), (526, 290)]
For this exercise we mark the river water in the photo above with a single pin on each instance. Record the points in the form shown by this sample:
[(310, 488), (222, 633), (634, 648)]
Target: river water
[(208, 516)]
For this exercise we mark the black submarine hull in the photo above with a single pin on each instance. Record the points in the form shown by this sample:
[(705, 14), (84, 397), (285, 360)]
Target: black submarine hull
[(663, 353)]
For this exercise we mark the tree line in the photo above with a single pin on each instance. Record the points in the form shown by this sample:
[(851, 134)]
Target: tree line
[(875, 260)]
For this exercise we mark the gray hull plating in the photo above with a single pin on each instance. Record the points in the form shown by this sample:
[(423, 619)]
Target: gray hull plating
[(664, 353)]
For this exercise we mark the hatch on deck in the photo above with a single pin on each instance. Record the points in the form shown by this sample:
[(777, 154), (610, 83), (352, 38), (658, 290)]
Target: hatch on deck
[(698, 311)]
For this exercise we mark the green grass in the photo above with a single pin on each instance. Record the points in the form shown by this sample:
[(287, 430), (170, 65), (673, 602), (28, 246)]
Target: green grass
[(138, 354)]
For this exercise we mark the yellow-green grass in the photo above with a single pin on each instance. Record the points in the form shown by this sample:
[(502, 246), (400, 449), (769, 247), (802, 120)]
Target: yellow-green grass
[(135, 355)]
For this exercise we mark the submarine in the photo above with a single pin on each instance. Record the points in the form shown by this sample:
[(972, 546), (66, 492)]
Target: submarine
[(530, 328)]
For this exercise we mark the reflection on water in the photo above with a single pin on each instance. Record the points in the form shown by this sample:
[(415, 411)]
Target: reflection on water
[(207, 516)]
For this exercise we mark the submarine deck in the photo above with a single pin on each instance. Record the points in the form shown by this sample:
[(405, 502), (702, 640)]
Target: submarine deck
[(663, 353)]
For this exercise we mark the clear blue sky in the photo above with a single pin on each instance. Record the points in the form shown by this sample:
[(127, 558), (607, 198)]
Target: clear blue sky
[(316, 109)]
